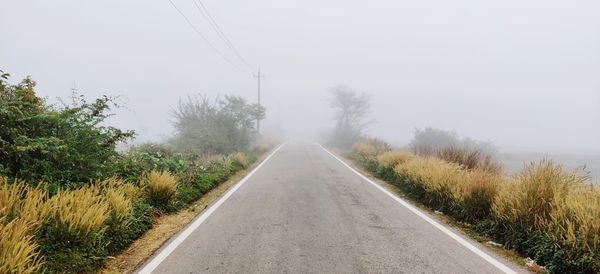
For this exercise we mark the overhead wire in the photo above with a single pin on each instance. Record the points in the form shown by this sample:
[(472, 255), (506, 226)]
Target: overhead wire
[(206, 39), (203, 10)]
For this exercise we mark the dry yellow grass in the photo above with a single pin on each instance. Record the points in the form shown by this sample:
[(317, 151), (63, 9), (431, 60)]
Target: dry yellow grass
[(563, 204), (22, 211), (161, 186), (390, 159), (240, 158), (18, 250), (365, 150), (10, 197), (35, 208), (478, 181), (575, 220), (80, 212), (120, 206), (131, 191), (434, 174), (531, 197), (17, 200), (468, 194)]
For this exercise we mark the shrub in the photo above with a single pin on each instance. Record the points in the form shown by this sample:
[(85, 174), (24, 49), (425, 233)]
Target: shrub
[(138, 222), (41, 142), (470, 158), (429, 141), (18, 250), (426, 142), (139, 159), (160, 187)]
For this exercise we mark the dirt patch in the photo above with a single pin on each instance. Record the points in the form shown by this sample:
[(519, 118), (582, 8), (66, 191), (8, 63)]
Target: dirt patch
[(164, 227)]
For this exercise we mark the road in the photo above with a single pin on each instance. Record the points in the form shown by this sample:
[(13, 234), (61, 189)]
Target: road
[(304, 211)]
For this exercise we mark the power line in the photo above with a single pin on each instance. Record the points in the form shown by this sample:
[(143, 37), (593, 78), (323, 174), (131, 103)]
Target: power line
[(206, 40), (213, 23)]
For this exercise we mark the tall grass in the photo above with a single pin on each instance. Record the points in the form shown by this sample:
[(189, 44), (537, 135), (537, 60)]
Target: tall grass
[(10, 197), (575, 221), (432, 179), (79, 214), (120, 206), (371, 147), (240, 159), (161, 187), (17, 200), (528, 201), (21, 213), (35, 208), (18, 251), (558, 206), (392, 158)]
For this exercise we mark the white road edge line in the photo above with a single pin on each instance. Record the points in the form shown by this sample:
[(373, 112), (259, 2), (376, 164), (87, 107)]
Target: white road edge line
[(414, 210), (158, 258)]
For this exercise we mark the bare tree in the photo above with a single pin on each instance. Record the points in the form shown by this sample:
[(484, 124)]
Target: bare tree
[(351, 109)]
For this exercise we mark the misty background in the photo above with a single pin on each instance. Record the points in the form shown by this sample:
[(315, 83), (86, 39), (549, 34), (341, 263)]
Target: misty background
[(524, 75)]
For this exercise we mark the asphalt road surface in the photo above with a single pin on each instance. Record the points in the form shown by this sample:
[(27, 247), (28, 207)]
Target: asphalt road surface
[(304, 211)]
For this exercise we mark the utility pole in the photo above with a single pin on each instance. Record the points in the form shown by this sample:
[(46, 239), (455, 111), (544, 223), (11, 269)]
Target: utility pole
[(258, 76)]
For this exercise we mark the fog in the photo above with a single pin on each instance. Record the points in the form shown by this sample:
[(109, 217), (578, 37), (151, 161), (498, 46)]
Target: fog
[(522, 74)]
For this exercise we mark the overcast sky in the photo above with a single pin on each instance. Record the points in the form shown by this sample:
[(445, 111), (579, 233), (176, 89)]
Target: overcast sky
[(523, 74)]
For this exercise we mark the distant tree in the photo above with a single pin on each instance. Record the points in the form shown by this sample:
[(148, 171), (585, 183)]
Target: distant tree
[(351, 109), (206, 126)]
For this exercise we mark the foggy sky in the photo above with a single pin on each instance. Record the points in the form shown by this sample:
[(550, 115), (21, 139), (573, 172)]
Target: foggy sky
[(523, 74)]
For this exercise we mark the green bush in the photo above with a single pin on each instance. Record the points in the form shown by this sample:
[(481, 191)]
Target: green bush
[(137, 160), (41, 142), (118, 238)]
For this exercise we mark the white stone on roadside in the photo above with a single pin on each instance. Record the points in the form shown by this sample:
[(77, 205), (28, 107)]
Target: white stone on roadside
[(492, 243)]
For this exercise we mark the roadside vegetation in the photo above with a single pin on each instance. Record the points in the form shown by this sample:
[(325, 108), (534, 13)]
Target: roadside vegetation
[(543, 212), (69, 198)]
